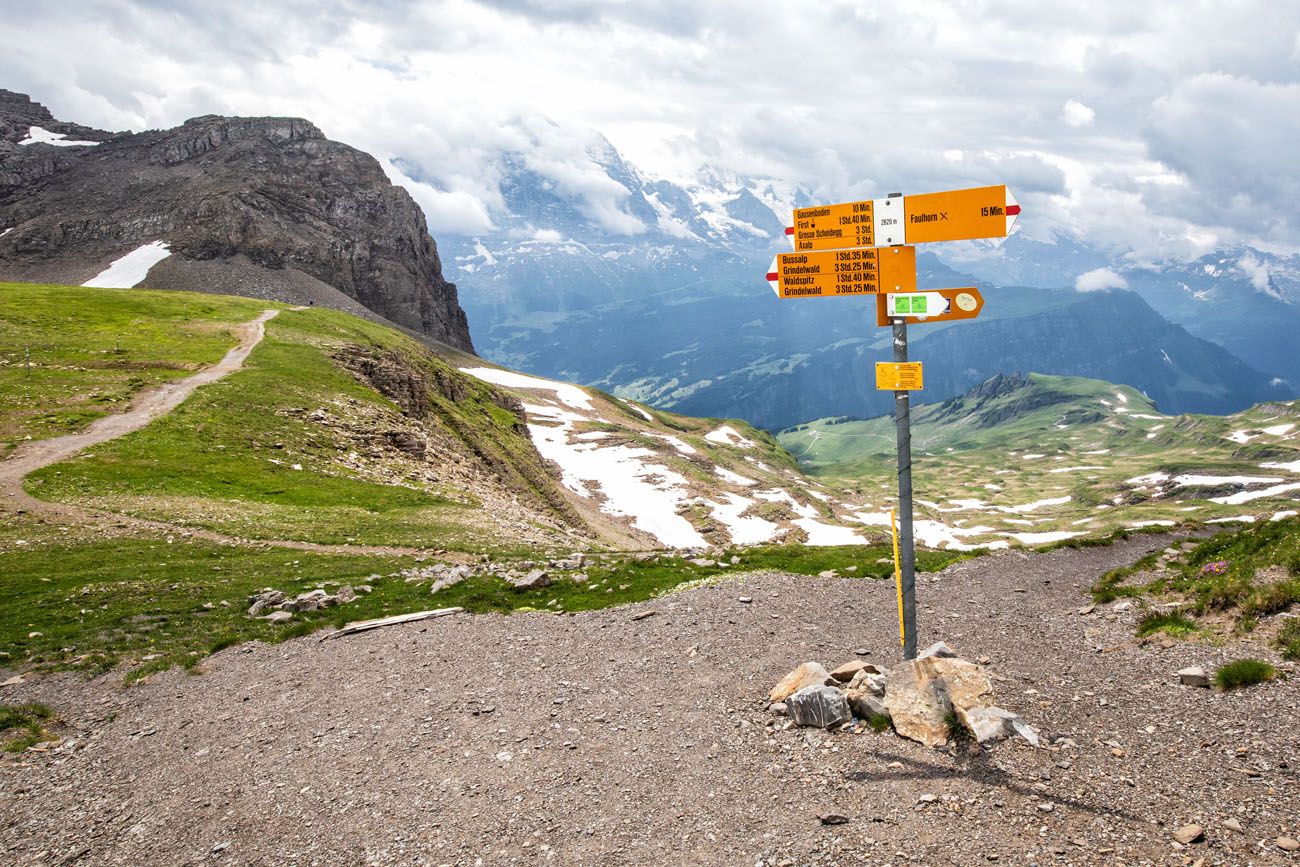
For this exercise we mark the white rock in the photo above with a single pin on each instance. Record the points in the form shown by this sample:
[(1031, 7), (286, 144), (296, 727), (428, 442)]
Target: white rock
[(821, 706)]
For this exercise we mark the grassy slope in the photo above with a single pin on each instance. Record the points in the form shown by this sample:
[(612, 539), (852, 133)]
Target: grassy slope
[(1238, 579), (958, 457), (90, 350), (225, 459), (90, 598)]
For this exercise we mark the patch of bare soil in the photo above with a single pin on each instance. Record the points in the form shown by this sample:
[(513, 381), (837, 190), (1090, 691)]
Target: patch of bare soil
[(615, 738)]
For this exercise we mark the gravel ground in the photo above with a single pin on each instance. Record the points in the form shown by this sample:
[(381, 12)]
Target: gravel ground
[(599, 739)]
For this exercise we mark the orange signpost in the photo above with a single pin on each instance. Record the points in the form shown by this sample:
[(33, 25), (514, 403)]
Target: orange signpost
[(955, 215), (864, 248), (843, 272), (931, 305)]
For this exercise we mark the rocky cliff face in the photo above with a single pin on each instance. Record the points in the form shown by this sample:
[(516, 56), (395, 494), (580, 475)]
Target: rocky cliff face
[(262, 206)]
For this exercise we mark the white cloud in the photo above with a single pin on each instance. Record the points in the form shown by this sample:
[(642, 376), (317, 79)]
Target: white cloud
[(457, 211), (1258, 272), (1159, 128), (1077, 114), (1099, 279)]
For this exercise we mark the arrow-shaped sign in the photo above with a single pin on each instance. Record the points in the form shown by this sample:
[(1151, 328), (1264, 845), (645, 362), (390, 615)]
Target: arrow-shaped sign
[(931, 305), (956, 215), (843, 272)]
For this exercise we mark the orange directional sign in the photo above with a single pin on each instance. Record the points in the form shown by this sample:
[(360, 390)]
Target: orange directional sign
[(899, 376), (843, 272), (932, 305), (956, 215)]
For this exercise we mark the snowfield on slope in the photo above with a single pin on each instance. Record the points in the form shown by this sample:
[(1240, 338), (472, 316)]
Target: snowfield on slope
[(128, 271)]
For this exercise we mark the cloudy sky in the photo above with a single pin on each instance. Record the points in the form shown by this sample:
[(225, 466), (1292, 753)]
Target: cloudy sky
[(1153, 128)]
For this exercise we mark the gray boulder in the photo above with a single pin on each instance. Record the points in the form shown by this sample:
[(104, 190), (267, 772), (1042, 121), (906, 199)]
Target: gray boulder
[(821, 706), (535, 579)]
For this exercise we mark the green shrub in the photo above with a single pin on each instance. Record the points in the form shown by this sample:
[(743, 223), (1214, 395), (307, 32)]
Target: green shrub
[(1244, 672), (880, 722), (1169, 622), (1288, 639), (27, 722)]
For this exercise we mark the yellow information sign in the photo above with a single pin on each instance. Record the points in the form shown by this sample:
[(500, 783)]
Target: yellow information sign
[(843, 272), (899, 376), (955, 215)]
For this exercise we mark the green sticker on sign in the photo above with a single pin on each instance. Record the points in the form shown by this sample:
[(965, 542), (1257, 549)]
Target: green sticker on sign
[(919, 304)]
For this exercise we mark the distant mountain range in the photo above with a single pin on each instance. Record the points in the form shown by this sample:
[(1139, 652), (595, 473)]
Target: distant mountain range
[(675, 312)]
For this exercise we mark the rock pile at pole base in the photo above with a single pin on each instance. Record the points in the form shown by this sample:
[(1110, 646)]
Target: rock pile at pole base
[(922, 699)]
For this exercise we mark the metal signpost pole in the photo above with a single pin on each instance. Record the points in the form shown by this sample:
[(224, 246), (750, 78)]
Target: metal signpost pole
[(902, 418)]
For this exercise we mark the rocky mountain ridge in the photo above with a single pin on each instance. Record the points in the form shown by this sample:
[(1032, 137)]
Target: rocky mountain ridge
[(266, 206)]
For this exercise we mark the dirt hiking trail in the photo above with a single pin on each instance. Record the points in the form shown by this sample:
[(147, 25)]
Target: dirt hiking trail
[(145, 408)]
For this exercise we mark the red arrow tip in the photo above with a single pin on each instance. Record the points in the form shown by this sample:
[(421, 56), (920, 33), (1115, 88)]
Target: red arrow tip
[(772, 277), (789, 230), (1013, 210)]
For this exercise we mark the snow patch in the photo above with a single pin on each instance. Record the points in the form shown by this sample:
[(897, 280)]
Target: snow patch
[(1193, 479), (569, 394), (1290, 466), (1282, 516), (822, 535), (40, 135), (129, 270), (645, 415), (648, 493), (735, 478), (1137, 525), (1073, 469), (1037, 504), (728, 436), (744, 531), (1244, 519), (677, 443), (1278, 430), (1042, 538), (1247, 496)]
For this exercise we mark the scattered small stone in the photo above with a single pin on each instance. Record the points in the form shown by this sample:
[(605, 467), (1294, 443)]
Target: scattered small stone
[(14, 681), (833, 819), (1287, 844), (861, 651), (643, 615), (1046, 807), (927, 799), (1233, 825), (278, 616), (1189, 834), (828, 573), (1086, 610), (1194, 676), (778, 708), (747, 599)]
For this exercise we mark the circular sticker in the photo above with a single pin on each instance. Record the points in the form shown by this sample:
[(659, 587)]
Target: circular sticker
[(966, 301)]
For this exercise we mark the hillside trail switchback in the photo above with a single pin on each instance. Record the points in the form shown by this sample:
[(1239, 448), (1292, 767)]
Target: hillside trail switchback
[(145, 408)]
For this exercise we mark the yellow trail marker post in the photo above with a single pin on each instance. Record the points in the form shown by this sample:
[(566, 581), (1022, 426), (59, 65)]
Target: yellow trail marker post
[(898, 580)]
